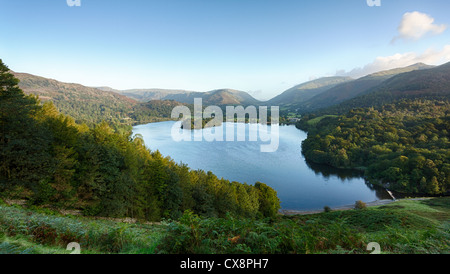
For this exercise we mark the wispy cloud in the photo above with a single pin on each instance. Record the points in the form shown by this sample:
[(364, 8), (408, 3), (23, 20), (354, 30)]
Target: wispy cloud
[(429, 57), (415, 25)]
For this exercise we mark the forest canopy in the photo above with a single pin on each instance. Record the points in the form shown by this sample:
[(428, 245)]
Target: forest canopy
[(403, 145)]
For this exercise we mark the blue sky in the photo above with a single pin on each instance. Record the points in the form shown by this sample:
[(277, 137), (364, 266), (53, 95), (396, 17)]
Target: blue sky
[(260, 46)]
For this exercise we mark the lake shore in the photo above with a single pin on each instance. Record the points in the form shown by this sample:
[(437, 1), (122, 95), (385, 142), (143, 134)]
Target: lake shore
[(288, 212)]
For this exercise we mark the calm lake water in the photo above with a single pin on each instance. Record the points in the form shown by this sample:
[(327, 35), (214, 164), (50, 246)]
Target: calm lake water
[(300, 185)]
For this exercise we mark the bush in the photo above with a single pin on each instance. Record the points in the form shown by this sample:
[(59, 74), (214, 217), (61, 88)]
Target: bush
[(44, 234), (360, 205), (326, 209)]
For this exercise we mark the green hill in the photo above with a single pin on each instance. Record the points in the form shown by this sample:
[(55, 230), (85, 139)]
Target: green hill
[(94, 105), (85, 104)]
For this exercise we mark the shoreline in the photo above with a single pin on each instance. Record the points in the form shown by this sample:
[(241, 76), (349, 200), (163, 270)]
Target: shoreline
[(289, 212)]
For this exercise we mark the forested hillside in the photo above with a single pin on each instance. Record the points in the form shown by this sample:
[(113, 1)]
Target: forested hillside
[(403, 145), (91, 105), (398, 133), (48, 159)]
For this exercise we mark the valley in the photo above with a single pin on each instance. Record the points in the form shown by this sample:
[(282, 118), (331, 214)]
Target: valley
[(319, 103), (219, 135), (393, 132)]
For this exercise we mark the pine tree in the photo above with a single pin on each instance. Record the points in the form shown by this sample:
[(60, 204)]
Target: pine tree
[(24, 144)]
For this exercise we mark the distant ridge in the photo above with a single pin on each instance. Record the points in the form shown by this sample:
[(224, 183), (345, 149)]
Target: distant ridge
[(145, 95), (306, 91), (306, 97), (105, 103), (351, 89), (214, 97), (432, 83)]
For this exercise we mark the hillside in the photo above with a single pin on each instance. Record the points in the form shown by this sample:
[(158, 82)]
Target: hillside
[(146, 95), (226, 97), (411, 226), (397, 134), (93, 105), (352, 89), (303, 92), (85, 104), (218, 97), (433, 83)]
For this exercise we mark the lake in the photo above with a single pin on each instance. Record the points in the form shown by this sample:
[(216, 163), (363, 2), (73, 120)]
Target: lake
[(300, 185)]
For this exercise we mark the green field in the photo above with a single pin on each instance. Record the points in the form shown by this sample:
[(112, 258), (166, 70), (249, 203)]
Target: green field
[(315, 121), (402, 227)]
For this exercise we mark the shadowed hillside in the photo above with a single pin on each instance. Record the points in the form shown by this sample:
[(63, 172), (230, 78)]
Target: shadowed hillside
[(292, 97), (352, 89)]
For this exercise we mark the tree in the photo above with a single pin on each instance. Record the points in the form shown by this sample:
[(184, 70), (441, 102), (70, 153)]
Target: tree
[(269, 204), (24, 144)]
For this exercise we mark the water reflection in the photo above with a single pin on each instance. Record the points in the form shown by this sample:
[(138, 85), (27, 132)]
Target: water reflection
[(344, 175), (329, 171)]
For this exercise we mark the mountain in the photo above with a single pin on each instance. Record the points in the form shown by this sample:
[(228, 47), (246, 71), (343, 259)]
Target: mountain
[(146, 95), (352, 89), (215, 97), (432, 83), (83, 103), (218, 97), (306, 91), (93, 105)]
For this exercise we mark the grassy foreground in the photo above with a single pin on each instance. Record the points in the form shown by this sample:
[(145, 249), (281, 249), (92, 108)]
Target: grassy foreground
[(402, 227)]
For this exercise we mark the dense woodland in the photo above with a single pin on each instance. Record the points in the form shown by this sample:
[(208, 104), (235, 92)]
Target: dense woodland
[(49, 159), (403, 145)]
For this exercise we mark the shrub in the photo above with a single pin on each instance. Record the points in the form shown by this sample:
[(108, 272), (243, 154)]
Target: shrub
[(360, 205), (326, 209), (44, 234)]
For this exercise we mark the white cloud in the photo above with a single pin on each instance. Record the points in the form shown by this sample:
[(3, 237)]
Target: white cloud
[(429, 57), (415, 25)]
